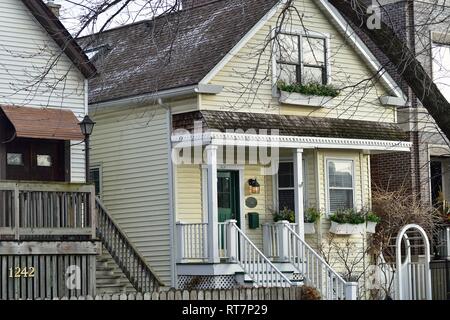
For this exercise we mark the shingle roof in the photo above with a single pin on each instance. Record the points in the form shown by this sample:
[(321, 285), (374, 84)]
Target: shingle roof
[(292, 125), (170, 51)]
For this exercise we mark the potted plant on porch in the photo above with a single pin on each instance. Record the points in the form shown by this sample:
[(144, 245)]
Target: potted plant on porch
[(285, 214), (310, 218), (347, 222)]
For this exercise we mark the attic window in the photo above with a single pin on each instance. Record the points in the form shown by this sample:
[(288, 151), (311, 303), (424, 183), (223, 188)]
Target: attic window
[(302, 58)]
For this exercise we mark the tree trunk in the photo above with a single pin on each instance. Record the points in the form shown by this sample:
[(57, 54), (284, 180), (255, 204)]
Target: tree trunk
[(404, 60)]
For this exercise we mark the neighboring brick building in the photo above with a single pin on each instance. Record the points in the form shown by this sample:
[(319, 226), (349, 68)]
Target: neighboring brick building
[(426, 169)]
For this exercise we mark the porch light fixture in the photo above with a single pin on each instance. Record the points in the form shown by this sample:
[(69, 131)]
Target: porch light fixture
[(87, 126), (253, 186)]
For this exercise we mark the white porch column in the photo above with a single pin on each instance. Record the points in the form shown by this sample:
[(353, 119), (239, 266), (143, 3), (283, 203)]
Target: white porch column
[(298, 191), (213, 232)]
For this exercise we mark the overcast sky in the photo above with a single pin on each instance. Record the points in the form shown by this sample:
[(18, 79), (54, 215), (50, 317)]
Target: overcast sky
[(72, 11)]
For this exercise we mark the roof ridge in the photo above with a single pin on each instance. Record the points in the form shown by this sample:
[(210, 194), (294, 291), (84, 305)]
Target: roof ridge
[(163, 15)]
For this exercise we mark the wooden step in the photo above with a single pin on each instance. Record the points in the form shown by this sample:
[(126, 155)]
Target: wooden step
[(110, 279)]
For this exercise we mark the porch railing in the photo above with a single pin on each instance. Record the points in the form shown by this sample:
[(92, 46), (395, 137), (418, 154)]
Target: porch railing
[(32, 210), (315, 270), (255, 264), (192, 241), (127, 257), (271, 239)]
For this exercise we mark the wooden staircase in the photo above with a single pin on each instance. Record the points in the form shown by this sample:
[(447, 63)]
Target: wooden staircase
[(109, 277), (124, 255)]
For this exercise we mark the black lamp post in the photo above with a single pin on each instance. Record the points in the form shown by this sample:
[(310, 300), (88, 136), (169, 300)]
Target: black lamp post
[(87, 126)]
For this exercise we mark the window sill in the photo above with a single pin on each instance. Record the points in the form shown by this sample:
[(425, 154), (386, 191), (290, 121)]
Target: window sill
[(299, 99)]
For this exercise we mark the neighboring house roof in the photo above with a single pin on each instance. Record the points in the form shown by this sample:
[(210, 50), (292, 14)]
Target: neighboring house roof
[(47, 123), (185, 47), (61, 36), (291, 125), (170, 51)]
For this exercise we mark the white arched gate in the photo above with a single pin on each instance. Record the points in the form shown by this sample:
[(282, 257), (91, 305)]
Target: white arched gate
[(412, 276)]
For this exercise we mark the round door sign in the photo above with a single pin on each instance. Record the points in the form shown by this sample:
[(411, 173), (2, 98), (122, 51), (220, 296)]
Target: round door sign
[(251, 202)]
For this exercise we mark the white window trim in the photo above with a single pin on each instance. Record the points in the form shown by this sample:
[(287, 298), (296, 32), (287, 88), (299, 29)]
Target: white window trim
[(302, 33), (327, 182), (100, 177), (305, 183)]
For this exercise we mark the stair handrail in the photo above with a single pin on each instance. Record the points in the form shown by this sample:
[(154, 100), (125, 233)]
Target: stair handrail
[(256, 270), (134, 266), (301, 257)]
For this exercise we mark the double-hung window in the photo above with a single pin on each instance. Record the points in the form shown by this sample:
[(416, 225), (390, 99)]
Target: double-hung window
[(286, 194), (302, 59), (340, 174), (95, 176)]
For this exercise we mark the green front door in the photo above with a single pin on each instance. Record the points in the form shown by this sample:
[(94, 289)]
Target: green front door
[(228, 195)]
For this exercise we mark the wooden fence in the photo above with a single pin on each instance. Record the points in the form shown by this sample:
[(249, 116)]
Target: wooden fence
[(440, 279), (38, 270), (292, 293)]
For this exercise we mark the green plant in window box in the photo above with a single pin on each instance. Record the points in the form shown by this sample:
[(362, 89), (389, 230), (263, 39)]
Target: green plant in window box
[(309, 89), (347, 221), (371, 220)]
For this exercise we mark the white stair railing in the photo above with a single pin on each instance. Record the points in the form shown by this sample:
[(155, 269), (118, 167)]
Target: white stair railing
[(255, 264), (316, 272)]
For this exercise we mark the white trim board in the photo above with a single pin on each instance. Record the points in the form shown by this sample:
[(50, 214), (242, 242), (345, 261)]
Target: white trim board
[(253, 140), (339, 21)]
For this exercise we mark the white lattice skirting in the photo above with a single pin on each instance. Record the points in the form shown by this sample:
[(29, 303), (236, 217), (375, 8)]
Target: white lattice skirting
[(207, 282)]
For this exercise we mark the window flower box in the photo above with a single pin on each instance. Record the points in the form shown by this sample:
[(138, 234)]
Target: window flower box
[(371, 226), (310, 228), (299, 99), (347, 228)]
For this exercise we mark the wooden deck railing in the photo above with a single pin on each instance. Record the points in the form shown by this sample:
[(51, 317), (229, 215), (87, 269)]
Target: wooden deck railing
[(127, 257), (31, 210)]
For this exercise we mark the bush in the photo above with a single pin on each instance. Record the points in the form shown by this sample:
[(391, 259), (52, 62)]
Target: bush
[(310, 293), (310, 89)]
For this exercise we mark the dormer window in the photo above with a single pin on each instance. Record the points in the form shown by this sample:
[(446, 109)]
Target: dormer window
[(302, 59)]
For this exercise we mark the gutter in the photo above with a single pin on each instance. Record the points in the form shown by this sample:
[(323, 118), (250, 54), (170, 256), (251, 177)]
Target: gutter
[(158, 97)]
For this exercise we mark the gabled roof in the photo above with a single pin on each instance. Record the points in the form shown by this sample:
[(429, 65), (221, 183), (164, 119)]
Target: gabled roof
[(61, 36), (170, 51), (187, 47)]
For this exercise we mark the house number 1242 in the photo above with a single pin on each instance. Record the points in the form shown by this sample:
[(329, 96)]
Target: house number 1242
[(19, 272)]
